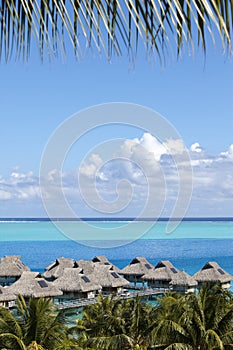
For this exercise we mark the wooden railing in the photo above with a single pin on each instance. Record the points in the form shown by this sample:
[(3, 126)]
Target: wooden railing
[(69, 304)]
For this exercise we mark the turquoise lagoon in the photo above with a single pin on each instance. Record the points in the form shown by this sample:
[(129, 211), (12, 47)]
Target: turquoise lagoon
[(190, 246)]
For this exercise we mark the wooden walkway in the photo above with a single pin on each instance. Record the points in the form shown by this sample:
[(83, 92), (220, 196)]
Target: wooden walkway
[(82, 302)]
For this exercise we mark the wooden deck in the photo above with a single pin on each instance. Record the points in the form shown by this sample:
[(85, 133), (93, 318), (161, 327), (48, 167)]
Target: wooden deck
[(82, 302)]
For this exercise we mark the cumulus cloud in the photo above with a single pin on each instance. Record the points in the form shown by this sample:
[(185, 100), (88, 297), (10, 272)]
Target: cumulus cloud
[(152, 145), (144, 163), (138, 165), (89, 168), (213, 178), (19, 185), (228, 154), (195, 147), (148, 158)]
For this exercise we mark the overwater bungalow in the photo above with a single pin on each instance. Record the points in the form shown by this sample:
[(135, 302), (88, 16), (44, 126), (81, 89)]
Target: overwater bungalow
[(211, 272), (183, 283), (161, 275), (56, 269), (11, 268), (31, 284), (86, 266), (138, 267), (76, 285), (101, 259), (7, 299), (110, 280)]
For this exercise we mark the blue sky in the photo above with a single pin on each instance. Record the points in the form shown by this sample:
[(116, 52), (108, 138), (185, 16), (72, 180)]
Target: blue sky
[(195, 94)]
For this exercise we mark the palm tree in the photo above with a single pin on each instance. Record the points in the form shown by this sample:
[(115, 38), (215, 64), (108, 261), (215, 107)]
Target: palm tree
[(115, 324), (101, 325), (168, 329), (111, 25), (212, 318), (202, 321), (139, 318), (35, 325), (103, 317)]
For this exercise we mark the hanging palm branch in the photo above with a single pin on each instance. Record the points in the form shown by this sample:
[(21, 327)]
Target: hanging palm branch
[(111, 26)]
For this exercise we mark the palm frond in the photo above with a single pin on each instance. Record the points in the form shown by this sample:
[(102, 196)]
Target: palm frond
[(18, 341), (119, 341), (111, 26), (179, 346)]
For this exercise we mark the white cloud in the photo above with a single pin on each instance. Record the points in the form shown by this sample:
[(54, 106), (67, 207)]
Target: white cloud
[(174, 146), (195, 147), (152, 145), (139, 161), (228, 154), (19, 186), (89, 168), (212, 175)]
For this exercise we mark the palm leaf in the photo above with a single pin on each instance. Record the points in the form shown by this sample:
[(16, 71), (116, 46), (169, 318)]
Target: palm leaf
[(19, 341), (120, 341), (110, 26)]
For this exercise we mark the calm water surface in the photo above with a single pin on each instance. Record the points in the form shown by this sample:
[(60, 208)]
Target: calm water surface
[(191, 245)]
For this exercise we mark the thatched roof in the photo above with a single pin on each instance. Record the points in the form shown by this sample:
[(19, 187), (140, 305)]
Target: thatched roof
[(138, 266), (212, 272), (101, 259), (107, 277), (183, 279), (12, 266), (73, 281), (6, 295), (30, 284), (86, 266), (56, 269), (163, 271)]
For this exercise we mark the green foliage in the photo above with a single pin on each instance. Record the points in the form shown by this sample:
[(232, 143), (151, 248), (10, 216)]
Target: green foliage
[(114, 324), (35, 325), (201, 321)]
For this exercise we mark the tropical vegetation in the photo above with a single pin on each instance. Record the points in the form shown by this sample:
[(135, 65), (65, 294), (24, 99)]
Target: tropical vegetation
[(33, 325), (195, 321), (112, 26)]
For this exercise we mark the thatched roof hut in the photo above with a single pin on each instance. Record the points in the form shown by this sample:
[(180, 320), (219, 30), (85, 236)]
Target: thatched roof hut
[(164, 270), (75, 284), (213, 273), (183, 282), (86, 266), (12, 266), (161, 275), (56, 269), (6, 296), (101, 259), (109, 279), (138, 267), (30, 284), (182, 278)]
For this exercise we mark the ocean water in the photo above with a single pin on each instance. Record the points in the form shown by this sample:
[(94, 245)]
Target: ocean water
[(190, 246)]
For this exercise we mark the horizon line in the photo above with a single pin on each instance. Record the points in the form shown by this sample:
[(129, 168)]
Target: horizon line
[(47, 219)]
